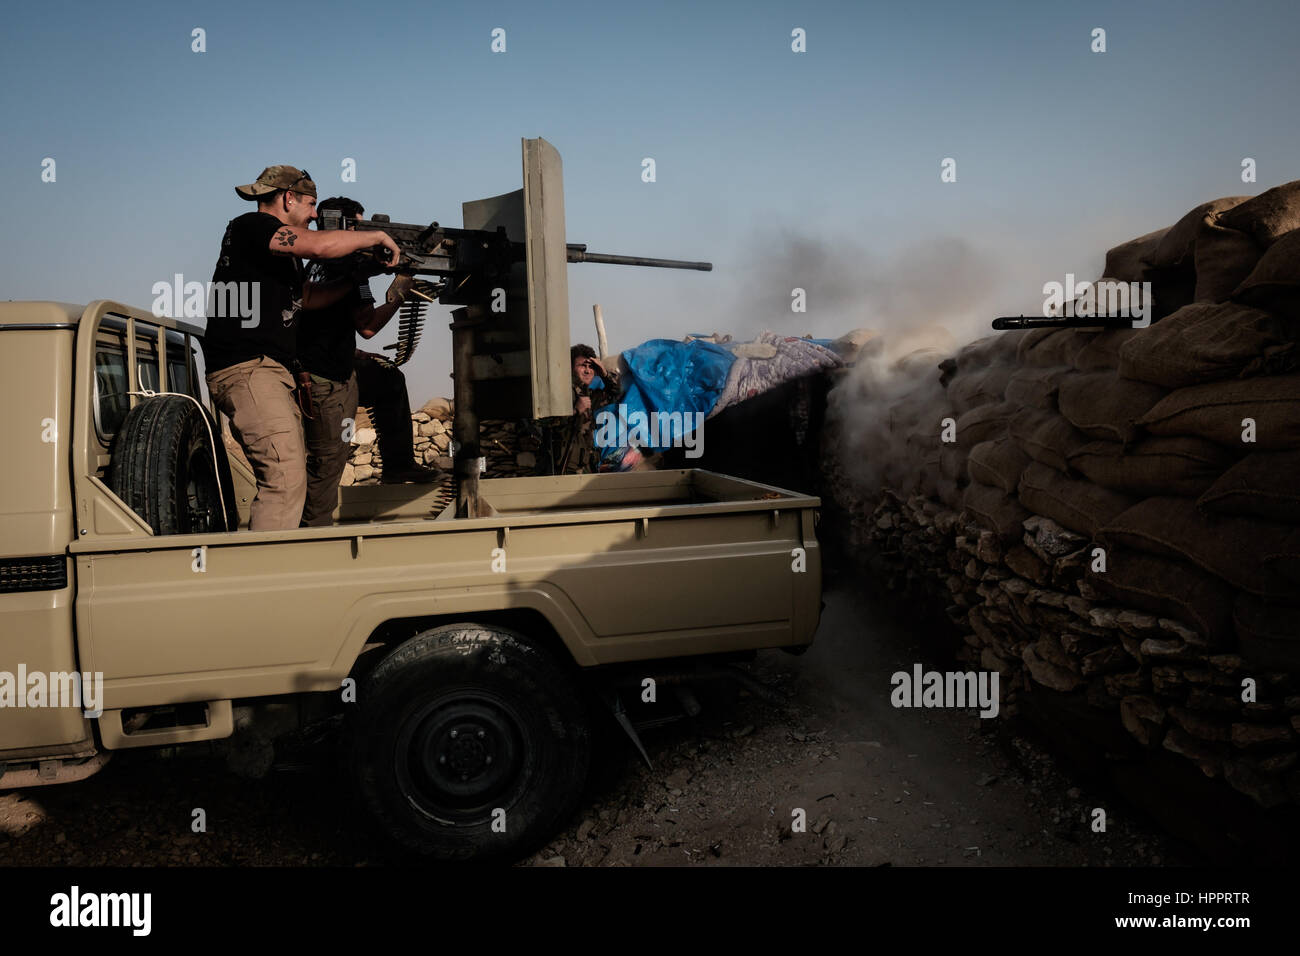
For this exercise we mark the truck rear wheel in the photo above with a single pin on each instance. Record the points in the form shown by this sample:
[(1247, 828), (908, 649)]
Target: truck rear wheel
[(163, 468), (469, 742)]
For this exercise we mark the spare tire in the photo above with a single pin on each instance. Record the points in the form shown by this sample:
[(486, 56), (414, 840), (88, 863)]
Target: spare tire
[(165, 469)]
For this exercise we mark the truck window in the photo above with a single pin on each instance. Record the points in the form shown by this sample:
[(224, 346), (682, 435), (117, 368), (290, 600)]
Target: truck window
[(111, 400), (178, 374)]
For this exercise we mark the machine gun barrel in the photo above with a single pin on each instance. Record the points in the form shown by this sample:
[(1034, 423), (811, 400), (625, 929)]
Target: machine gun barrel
[(579, 253), (438, 250)]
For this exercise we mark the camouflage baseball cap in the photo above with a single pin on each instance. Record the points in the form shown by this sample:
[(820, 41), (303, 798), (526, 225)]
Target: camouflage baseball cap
[(278, 177)]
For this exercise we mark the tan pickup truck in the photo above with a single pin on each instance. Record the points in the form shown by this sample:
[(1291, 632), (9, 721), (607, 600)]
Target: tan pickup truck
[(468, 658)]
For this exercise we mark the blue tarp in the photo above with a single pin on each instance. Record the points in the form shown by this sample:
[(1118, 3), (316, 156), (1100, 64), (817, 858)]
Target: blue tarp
[(676, 381), (667, 376)]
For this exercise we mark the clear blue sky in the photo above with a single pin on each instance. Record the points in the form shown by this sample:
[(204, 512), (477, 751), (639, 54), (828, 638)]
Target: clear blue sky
[(819, 169)]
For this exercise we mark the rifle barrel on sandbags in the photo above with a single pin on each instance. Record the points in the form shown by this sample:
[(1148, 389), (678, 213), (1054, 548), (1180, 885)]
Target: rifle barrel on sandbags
[(1005, 322)]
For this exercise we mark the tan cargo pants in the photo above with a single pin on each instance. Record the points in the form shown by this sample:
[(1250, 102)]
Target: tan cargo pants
[(257, 396), (327, 451)]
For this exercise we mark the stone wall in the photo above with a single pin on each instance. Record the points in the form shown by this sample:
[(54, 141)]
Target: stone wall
[(509, 450), (1027, 610)]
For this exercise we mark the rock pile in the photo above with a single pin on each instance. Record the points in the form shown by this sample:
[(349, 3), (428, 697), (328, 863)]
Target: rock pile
[(1115, 514), (509, 448)]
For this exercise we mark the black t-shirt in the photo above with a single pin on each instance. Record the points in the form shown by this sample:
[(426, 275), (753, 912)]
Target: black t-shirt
[(244, 323), (327, 337)]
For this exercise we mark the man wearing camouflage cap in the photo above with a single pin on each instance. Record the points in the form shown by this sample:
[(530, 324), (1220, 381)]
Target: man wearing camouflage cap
[(250, 359)]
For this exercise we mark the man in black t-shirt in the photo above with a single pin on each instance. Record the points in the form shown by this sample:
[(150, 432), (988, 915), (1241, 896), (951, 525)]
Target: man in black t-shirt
[(250, 346), (341, 380)]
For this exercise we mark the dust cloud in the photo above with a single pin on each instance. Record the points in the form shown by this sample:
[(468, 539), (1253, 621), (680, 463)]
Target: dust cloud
[(912, 310)]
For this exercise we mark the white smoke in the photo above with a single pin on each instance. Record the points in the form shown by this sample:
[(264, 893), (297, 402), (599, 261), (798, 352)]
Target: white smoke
[(893, 394), (911, 311), (944, 280)]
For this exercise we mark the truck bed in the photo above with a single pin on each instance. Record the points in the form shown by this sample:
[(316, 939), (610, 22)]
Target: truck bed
[(622, 567), (564, 493)]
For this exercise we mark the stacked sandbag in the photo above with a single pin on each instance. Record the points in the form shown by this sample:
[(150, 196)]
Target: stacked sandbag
[(1128, 526), (1205, 342), (1170, 267), (1208, 255), (1274, 285), (1232, 241), (927, 464), (1019, 445)]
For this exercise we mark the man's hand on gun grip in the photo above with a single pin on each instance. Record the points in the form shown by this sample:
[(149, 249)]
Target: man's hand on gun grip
[(394, 253)]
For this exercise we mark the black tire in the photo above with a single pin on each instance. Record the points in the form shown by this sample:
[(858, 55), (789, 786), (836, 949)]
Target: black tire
[(458, 722), (163, 468)]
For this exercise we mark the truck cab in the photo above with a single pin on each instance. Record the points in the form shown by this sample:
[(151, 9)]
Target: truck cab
[(38, 517)]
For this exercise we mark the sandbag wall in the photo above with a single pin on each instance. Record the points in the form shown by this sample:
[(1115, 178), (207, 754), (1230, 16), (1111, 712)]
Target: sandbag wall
[(1116, 514)]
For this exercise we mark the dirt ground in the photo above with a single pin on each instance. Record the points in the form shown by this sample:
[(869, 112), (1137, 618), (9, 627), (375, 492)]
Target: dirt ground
[(877, 786)]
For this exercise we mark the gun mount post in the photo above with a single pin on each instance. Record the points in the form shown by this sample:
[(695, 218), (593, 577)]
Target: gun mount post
[(464, 419)]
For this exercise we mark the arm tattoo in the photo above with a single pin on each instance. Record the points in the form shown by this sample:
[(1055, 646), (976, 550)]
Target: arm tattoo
[(287, 237)]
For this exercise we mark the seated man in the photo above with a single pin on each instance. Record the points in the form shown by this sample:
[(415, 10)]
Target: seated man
[(381, 387), (328, 354), (568, 445)]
